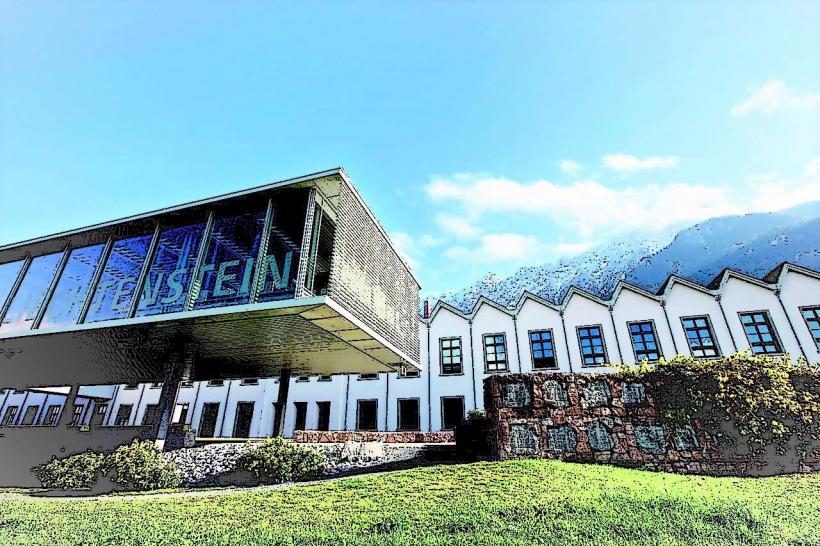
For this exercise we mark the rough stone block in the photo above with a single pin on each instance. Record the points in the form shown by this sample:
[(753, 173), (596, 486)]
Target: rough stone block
[(517, 395), (600, 439), (650, 439), (555, 393), (684, 439), (597, 394), (634, 394), (523, 440), (562, 439)]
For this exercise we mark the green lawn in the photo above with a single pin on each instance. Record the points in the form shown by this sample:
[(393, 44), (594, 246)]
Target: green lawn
[(519, 502)]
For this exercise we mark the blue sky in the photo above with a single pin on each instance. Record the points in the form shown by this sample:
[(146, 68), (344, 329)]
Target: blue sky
[(484, 136)]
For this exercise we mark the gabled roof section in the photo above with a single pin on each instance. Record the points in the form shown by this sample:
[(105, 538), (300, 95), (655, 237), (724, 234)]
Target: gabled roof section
[(527, 295), (775, 276), (623, 285), (575, 291), (673, 279), (483, 300), (723, 277), (443, 305)]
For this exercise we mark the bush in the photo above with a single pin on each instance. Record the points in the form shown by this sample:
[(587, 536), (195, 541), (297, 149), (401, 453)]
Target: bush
[(140, 466), (79, 471), (769, 401), (279, 461)]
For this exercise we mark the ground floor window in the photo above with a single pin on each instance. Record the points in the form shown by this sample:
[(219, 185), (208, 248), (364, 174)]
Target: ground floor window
[(207, 421), (180, 413), (53, 415), (408, 414), (123, 415), (150, 415), (11, 415), (77, 415), (242, 423), (30, 415), (367, 414), (452, 411), (324, 416), (301, 415)]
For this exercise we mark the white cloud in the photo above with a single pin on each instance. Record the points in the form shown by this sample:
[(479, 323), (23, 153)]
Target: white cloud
[(629, 163), (459, 226), (496, 247), (570, 167), (772, 191), (774, 96), (586, 206), (572, 248)]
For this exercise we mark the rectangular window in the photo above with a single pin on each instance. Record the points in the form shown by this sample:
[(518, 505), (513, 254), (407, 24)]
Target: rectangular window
[(53, 415), (301, 416), (452, 412), (281, 257), (118, 282), (30, 415), (593, 348), (123, 415), (325, 378), (700, 336), (324, 416), (30, 295), (450, 355), (367, 414), (303, 379), (180, 414), (77, 415), (11, 414), (644, 341), (409, 414), (216, 383), (69, 295), (495, 352), (812, 317), (149, 417), (243, 419), (409, 372), (368, 376), (131, 386), (542, 350), (760, 333), (249, 381)]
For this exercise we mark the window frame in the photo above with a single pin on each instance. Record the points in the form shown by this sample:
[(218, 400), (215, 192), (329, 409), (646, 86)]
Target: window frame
[(816, 309), (358, 414), (487, 370), (441, 355), (708, 318), (600, 327), (556, 366), (770, 324), (659, 348), (463, 409), (417, 428)]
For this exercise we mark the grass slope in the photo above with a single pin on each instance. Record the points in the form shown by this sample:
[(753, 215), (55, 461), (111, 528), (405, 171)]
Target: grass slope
[(517, 502)]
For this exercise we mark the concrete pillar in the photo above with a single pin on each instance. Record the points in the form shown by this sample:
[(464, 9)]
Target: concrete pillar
[(281, 402), (178, 367)]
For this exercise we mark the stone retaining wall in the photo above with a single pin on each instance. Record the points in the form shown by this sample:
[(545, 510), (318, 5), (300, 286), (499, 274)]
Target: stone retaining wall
[(606, 419), (401, 437)]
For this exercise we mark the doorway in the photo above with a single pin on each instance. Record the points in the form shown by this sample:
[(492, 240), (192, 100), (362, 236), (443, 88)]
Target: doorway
[(207, 423), (244, 415)]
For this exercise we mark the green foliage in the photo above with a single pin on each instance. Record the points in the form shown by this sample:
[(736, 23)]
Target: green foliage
[(279, 461), (140, 466), (766, 400), (80, 471), (512, 503)]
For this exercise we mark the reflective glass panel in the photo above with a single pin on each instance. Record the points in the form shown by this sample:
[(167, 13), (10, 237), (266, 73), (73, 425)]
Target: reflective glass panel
[(27, 301), (8, 274), (166, 284), (226, 273), (115, 291), (69, 296), (282, 257)]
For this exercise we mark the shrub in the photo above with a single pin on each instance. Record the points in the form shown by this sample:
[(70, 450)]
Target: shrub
[(279, 461), (140, 466), (79, 471), (767, 400)]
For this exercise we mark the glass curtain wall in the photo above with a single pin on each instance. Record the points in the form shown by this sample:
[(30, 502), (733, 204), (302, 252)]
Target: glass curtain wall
[(115, 290), (29, 297), (69, 296), (8, 276), (281, 259)]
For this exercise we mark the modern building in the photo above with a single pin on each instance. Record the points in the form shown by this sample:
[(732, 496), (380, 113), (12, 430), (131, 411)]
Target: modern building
[(291, 278), (779, 314)]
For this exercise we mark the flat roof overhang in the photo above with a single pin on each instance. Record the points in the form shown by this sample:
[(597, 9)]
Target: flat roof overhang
[(308, 336)]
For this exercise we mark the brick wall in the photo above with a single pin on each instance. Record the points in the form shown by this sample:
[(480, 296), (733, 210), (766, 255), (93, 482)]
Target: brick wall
[(610, 419), (399, 437)]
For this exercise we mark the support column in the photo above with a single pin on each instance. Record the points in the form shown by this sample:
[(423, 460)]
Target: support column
[(68, 407), (281, 402), (178, 367)]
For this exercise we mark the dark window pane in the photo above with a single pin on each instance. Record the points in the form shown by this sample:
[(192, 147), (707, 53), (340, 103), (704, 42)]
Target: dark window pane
[(408, 414), (367, 415), (226, 274), (166, 284), (69, 296), (282, 256), (115, 291), (29, 297), (643, 342), (592, 346), (758, 332), (699, 335), (8, 275), (452, 412)]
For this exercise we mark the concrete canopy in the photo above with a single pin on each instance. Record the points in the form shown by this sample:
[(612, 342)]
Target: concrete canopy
[(312, 335)]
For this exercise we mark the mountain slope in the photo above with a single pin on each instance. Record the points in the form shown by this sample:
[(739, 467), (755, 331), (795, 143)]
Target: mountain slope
[(751, 243)]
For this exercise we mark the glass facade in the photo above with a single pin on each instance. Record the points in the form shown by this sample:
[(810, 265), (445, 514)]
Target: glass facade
[(8, 276), (229, 267), (115, 291), (72, 289), (29, 297), (226, 273), (168, 279)]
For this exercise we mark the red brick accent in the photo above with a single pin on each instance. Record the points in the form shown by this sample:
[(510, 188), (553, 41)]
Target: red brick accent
[(340, 436)]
